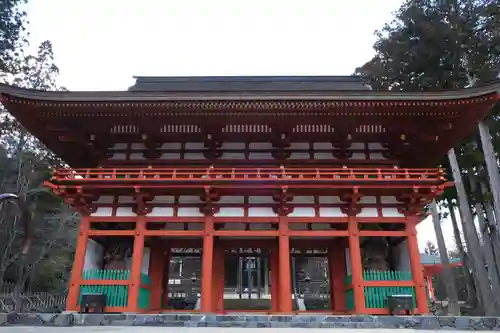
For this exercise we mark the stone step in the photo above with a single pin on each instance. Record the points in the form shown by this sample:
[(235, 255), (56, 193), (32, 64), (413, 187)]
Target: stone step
[(251, 321)]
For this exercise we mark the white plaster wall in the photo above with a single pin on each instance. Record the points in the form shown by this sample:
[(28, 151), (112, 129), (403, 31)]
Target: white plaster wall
[(93, 255), (230, 212), (303, 212), (103, 211), (261, 212), (331, 212), (391, 212)]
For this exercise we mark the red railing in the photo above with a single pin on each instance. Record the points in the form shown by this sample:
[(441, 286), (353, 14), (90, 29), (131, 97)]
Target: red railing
[(247, 174)]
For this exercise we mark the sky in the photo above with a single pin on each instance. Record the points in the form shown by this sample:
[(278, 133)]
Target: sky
[(102, 44)]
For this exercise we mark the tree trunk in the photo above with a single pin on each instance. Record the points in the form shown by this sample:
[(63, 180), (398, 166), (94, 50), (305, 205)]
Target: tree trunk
[(490, 160), (449, 279), (492, 227), (472, 297), (481, 275), (487, 244)]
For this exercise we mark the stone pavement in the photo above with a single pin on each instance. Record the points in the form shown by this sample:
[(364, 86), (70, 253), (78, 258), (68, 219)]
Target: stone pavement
[(108, 329), (187, 321)]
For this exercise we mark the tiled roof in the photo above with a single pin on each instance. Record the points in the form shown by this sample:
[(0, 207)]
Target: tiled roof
[(248, 83), (427, 259)]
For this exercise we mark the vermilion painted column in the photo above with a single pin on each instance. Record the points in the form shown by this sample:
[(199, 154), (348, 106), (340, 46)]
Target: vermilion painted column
[(274, 267), (135, 271), (338, 271), (76, 272), (417, 270), (206, 304), (218, 277), (156, 273), (285, 284), (356, 266)]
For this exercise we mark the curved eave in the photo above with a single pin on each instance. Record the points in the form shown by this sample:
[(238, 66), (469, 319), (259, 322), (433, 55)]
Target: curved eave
[(92, 97)]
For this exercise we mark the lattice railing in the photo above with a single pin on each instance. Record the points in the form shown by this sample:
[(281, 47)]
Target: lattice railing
[(247, 174)]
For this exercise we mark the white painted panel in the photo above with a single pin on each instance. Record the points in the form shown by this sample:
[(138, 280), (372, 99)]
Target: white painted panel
[(146, 254), (260, 200), (232, 199), (195, 145), (368, 200), (163, 199), (322, 145), (125, 211), (189, 199), (233, 156), (375, 146), (377, 156), (137, 156), (118, 156), (171, 145), (233, 145), (300, 156), (299, 145), (303, 199), (137, 146), (324, 156), (323, 199), (189, 211), (103, 211), (105, 199), (118, 146), (260, 145), (260, 156), (170, 156), (230, 212), (260, 226), (368, 212), (93, 255), (357, 145), (162, 211), (391, 212), (303, 212), (194, 156), (331, 212), (126, 199), (358, 156), (388, 200), (261, 212)]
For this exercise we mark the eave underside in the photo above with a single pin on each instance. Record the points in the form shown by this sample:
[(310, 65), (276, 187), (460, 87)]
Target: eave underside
[(420, 131)]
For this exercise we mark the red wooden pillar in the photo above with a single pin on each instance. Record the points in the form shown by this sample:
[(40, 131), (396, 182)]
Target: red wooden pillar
[(356, 266), (156, 273), (285, 284), (135, 271), (337, 271), (76, 272), (218, 280), (417, 270), (274, 268), (206, 304), (167, 258)]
